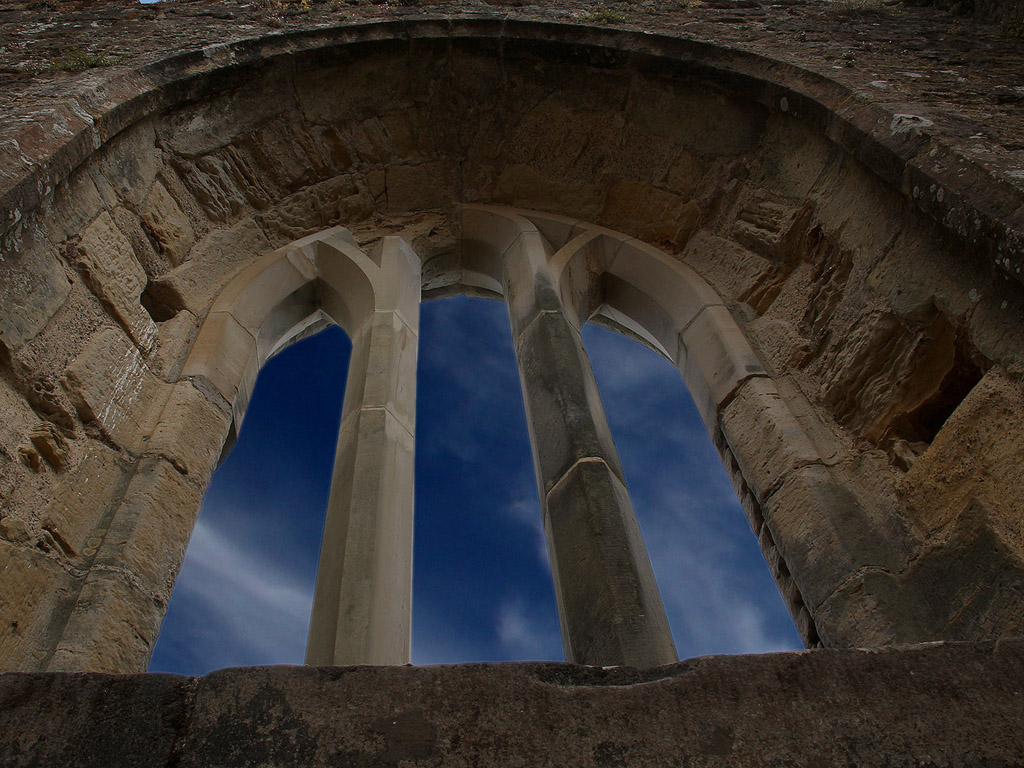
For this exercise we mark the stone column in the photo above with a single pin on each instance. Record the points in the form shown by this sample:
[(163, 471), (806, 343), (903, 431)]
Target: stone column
[(608, 603), (362, 601)]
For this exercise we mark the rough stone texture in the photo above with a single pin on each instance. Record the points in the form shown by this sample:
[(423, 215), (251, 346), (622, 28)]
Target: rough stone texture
[(112, 270), (847, 176), (167, 224), (77, 507), (32, 288), (954, 705), (32, 587), (973, 460), (214, 261), (111, 386)]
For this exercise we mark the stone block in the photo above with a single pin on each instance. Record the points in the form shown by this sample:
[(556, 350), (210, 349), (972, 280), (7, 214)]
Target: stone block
[(112, 628), (190, 433), (33, 286), (633, 309), (671, 285), (950, 704), (32, 587), (257, 290), (58, 343), (199, 128), (215, 260), (976, 455), (76, 202), (397, 287), (315, 208), (649, 213), (872, 609), (529, 286), (418, 187), (716, 358), (90, 721), (766, 439), (131, 161), (50, 443), (497, 228), (225, 354), (110, 384), (701, 119), (829, 442), (151, 527), (826, 533), (558, 229), (521, 185), (361, 610), (83, 498), (969, 583), (608, 599), (384, 139), (174, 340), (116, 276), (153, 263), (578, 267), (167, 224), (348, 289), (734, 271), (563, 407), (390, 372)]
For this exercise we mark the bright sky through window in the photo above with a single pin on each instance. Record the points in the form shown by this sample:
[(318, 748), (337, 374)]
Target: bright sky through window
[(482, 588)]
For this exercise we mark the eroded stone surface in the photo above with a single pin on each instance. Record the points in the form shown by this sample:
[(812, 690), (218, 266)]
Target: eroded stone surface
[(948, 704), (863, 234)]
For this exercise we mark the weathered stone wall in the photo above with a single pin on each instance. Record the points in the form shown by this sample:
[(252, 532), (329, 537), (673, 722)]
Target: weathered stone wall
[(948, 704), (873, 268)]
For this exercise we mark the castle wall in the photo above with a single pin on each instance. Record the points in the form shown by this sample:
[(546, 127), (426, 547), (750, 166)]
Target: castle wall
[(882, 298)]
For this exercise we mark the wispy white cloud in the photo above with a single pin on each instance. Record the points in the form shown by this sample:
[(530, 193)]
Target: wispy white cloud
[(717, 592), (245, 606), (525, 635), (524, 508)]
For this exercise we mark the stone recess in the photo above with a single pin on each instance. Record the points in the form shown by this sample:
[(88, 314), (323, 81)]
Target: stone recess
[(957, 706)]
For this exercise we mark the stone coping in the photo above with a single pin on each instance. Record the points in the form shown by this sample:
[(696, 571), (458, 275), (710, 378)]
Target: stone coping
[(939, 704), (979, 195)]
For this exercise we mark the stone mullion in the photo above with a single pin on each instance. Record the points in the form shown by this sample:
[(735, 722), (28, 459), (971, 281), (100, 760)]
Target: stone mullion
[(362, 600), (609, 606)]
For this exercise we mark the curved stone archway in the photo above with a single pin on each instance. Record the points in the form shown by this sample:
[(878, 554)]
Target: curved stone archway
[(849, 339)]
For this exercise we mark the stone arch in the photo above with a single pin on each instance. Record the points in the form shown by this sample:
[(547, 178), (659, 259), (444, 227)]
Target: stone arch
[(818, 263)]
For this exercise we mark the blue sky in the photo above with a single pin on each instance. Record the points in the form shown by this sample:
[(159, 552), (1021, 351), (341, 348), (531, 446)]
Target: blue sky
[(482, 586)]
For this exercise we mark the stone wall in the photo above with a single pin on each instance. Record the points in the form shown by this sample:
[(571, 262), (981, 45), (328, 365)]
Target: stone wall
[(948, 704), (872, 264)]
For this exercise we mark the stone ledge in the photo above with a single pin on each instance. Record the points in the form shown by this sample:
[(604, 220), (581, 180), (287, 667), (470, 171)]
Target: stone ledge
[(949, 704)]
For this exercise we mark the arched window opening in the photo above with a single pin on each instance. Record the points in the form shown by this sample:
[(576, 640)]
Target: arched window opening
[(716, 587), (482, 586), (244, 592)]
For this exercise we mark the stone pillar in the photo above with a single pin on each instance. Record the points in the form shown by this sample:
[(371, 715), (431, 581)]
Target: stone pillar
[(608, 603), (362, 601)]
